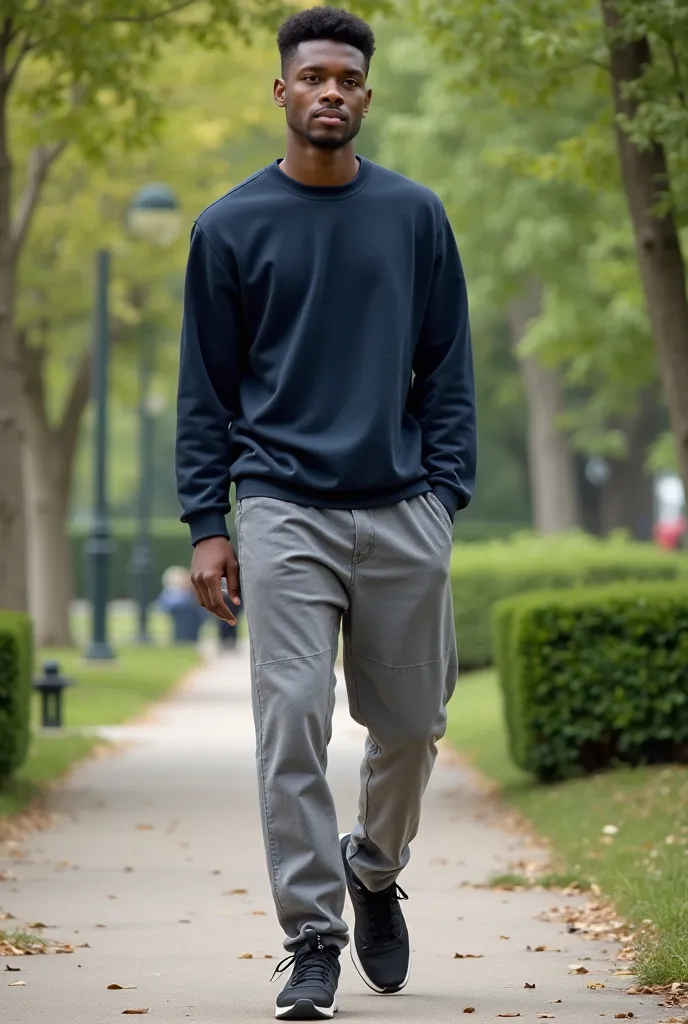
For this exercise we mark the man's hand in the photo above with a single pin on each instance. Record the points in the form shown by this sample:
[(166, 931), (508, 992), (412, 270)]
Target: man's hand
[(214, 558)]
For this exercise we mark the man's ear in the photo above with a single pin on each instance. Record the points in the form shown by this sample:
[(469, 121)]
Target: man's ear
[(280, 92), (368, 99)]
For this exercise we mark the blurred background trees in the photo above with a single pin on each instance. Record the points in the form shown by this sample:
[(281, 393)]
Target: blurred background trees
[(556, 137)]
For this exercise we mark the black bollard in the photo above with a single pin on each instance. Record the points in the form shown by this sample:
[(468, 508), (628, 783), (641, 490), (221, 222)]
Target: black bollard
[(51, 686)]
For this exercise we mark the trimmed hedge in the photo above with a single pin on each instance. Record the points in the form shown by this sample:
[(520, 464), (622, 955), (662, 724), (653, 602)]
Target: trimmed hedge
[(592, 678), (483, 574), (16, 663)]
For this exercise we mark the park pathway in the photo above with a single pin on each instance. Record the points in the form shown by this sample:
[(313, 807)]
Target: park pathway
[(154, 858)]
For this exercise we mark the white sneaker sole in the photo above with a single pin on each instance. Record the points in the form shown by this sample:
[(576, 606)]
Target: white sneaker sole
[(305, 1009), (361, 970)]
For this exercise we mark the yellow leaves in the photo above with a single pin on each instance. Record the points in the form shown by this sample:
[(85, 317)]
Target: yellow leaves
[(596, 985), (468, 956), (578, 969), (119, 988), (210, 134)]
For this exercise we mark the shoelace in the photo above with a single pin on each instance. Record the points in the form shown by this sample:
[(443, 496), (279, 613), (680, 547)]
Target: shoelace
[(312, 964), (383, 913)]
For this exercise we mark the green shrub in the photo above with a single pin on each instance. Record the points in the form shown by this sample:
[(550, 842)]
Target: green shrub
[(16, 660), (595, 677), (483, 574)]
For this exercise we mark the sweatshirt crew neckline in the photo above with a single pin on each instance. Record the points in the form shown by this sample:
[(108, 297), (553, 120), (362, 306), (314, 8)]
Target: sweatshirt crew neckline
[(321, 193)]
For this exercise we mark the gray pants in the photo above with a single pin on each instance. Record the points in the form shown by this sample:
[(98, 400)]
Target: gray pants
[(382, 576)]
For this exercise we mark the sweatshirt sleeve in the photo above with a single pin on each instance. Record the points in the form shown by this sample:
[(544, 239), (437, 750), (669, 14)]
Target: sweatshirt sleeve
[(207, 395), (443, 393)]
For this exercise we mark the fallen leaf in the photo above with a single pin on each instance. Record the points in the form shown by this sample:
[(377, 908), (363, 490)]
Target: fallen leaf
[(7, 917), (622, 974), (259, 913), (119, 988), (578, 969), (469, 1009), (595, 985), (268, 956), (135, 1011), (508, 1014), (17, 984), (546, 949), (8, 968), (235, 892), (545, 1016), (145, 828), (504, 937), (622, 1016), (246, 956), (529, 984), (468, 956)]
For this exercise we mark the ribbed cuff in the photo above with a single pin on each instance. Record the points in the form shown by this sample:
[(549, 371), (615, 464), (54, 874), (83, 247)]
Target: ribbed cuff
[(448, 498), (207, 524)]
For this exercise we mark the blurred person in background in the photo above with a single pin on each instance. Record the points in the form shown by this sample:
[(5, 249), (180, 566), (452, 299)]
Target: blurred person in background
[(178, 601), (326, 370)]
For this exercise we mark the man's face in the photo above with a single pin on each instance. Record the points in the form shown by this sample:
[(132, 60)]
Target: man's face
[(324, 93)]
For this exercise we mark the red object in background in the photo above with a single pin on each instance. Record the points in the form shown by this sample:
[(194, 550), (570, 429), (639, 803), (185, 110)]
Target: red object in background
[(670, 535)]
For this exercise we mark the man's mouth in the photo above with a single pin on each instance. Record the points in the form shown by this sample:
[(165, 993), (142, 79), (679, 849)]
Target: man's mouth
[(329, 117)]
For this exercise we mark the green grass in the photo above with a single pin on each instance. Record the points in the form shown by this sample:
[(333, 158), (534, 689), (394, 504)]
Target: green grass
[(643, 867), (104, 694)]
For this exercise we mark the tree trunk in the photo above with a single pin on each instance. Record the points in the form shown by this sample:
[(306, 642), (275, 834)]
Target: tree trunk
[(51, 586), (662, 269), (627, 499), (13, 592), (551, 463), (49, 454)]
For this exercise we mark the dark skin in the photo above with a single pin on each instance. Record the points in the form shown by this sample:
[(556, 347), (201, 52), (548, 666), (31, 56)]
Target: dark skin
[(325, 96)]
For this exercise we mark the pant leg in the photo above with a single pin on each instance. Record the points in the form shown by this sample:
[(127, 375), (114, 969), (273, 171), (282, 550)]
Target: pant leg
[(295, 566), (401, 667)]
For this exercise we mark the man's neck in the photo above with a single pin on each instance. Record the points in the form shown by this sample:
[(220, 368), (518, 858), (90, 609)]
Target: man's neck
[(319, 167)]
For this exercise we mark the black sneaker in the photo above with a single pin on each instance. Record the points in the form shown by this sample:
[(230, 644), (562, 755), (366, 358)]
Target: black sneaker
[(310, 993), (380, 950)]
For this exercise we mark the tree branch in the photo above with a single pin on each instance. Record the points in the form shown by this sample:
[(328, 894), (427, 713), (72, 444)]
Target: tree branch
[(26, 47), (77, 400), (31, 366), (152, 17), (41, 160)]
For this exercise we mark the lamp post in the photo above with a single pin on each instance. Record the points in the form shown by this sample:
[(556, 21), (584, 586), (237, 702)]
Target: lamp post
[(100, 545), (153, 217)]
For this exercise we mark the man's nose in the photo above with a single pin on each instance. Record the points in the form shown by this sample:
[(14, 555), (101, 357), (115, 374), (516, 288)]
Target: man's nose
[(331, 95)]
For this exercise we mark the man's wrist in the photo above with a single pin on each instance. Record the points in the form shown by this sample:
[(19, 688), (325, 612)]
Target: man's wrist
[(206, 525)]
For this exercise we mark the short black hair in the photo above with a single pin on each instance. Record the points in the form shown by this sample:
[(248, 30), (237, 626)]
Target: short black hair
[(330, 23)]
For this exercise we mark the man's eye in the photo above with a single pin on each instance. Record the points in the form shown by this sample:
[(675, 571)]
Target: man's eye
[(311, 78)]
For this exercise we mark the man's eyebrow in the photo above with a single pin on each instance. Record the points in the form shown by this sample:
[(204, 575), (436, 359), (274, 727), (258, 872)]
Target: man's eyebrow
[(321, 67)]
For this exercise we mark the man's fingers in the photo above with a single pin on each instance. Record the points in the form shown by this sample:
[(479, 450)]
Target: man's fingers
[(233, 585), (217, 600)]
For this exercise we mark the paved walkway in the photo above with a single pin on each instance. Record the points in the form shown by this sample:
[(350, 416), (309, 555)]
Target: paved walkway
[(151, 851)]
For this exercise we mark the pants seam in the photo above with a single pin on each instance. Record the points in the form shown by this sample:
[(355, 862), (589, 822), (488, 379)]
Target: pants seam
[(404, 668), (268, 832), (286, 661)]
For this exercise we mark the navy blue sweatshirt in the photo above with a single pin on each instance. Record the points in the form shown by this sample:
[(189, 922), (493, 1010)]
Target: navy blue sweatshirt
[(326, 355)]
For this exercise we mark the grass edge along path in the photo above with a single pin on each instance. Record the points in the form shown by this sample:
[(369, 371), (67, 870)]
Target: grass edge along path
[(105, 694), (625, 830)]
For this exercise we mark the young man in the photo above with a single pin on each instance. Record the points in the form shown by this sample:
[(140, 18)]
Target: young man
[(326, 369)]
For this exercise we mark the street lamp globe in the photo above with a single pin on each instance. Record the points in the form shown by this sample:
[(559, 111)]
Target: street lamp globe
[(154, 215)]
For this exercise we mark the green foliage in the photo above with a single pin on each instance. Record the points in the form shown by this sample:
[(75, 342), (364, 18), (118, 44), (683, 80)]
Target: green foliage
[(16, 657), (483, 574), (595, 677), (170, 545)]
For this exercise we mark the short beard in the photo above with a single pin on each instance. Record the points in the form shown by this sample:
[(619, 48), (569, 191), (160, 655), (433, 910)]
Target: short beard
[(324, 141)]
